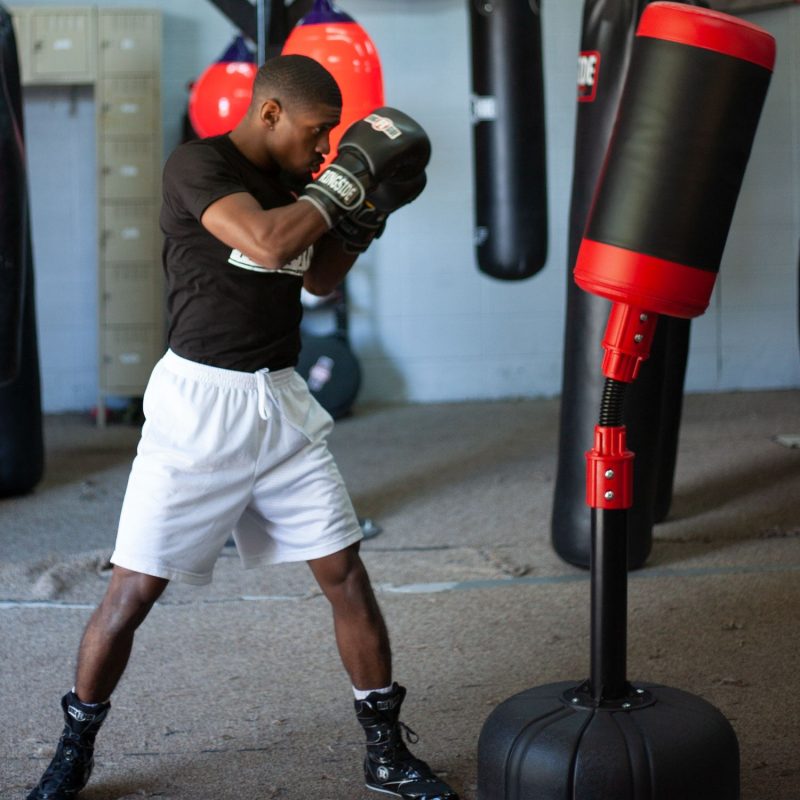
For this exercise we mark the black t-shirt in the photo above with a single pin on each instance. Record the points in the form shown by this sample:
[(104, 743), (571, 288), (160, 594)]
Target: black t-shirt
[(223, 309)]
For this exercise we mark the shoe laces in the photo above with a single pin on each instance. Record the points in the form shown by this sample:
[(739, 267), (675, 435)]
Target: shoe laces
[(411, 736)]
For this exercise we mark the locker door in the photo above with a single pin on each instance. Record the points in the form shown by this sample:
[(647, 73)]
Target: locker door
[(129, 232), (129, 42), (129, 352), (128, 168), (127, 106), (127, 295), (62, 46)]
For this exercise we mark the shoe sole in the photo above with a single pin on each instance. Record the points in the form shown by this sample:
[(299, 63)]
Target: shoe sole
[(385, 791), (381, 790)]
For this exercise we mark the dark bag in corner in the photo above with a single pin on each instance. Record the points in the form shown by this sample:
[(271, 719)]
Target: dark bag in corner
[(21, 439)]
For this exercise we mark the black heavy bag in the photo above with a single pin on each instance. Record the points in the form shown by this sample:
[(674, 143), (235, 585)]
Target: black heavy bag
[(607, 39), (21, 442), (509, 138), (13, 208)]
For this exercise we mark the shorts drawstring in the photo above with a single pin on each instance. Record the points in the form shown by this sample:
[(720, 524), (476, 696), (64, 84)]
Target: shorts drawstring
[(264, 393)]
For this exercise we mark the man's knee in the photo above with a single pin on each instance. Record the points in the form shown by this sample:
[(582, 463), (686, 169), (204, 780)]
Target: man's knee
[(129, 598), (341, 574)]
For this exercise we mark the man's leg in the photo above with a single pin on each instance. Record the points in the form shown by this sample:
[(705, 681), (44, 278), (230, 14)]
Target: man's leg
[(363, 643), (103, 655), (108, 638), (361, 634)]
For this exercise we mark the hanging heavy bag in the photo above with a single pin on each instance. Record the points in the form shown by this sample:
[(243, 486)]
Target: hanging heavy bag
[(508, 138), (653, 423), (21, 441), (13, 206)]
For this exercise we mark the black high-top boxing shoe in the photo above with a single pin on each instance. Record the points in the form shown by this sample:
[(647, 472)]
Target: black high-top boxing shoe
[(73, 762), (389, 766)]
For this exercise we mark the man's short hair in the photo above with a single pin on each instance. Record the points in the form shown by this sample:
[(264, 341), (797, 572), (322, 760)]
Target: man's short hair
[(297, 81)]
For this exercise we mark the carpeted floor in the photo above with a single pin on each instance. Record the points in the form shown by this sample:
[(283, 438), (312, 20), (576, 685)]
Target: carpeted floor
[(235, 690)]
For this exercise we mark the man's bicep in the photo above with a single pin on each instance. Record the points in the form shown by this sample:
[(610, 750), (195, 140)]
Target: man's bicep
[(233, 219)]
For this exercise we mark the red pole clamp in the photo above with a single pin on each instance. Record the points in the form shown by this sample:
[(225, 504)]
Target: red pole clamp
[(628, 337), (609, 469)]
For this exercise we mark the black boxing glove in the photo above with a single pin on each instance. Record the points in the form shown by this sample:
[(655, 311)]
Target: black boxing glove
[(357, 229), (385, 144)]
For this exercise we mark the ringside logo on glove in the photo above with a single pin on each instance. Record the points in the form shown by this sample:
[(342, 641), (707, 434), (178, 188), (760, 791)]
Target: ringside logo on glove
[(385, 145), (383, 125)]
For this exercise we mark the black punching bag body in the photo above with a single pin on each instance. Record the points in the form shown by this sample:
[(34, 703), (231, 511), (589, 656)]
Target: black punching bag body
[(21, 442), (509, 138), (606, 43)]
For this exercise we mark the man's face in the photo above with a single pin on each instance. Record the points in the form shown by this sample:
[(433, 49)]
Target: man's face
[(301, 138)]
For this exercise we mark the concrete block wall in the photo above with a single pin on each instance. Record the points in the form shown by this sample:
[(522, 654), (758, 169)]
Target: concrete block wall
[(426, 324)]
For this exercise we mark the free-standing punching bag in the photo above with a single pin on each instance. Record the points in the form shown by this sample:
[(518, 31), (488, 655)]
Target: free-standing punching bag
[(508, 137), (334, 39), (21, 441), (606, 44), (653, 244)]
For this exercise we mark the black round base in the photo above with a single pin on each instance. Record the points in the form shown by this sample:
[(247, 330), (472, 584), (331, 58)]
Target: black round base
[(548, 744)]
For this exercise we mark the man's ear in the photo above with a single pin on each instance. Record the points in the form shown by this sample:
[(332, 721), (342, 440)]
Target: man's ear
[(270, 112)]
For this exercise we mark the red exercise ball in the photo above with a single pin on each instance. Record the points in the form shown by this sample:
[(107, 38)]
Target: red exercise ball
[(344, 48), (220, 97)]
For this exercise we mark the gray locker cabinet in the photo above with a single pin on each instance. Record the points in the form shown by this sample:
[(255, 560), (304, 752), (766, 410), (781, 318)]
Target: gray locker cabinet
[(118, 51), (56, 45), (130, 281)]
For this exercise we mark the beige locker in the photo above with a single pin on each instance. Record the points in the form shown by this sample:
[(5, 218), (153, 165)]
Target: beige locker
[(62, 46), (128, 106), (128, 168), (128, 295), (129, 232), (129, 353), (129, 41)]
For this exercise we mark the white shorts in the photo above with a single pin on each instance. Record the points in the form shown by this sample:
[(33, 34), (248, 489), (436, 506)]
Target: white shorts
[(225, 452)]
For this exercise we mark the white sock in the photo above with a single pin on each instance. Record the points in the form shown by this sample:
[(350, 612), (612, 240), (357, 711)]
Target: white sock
[(362, 694), (89, 705)]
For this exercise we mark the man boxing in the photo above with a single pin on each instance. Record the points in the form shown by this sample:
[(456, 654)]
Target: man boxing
[(233, 441)]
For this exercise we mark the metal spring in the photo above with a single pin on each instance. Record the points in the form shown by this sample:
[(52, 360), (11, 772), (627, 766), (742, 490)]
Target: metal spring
[(612, 402)]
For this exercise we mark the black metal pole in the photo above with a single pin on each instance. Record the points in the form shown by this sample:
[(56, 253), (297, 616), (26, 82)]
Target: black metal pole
[(240, 13), (263, 14), (609, 590)]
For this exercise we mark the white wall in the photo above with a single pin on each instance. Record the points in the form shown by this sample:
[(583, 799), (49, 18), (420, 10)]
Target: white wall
[(427, 325)]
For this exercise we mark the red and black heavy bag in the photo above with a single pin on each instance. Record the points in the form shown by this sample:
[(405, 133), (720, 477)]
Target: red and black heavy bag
[(508, 138), (21, 440), (653, 402)]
